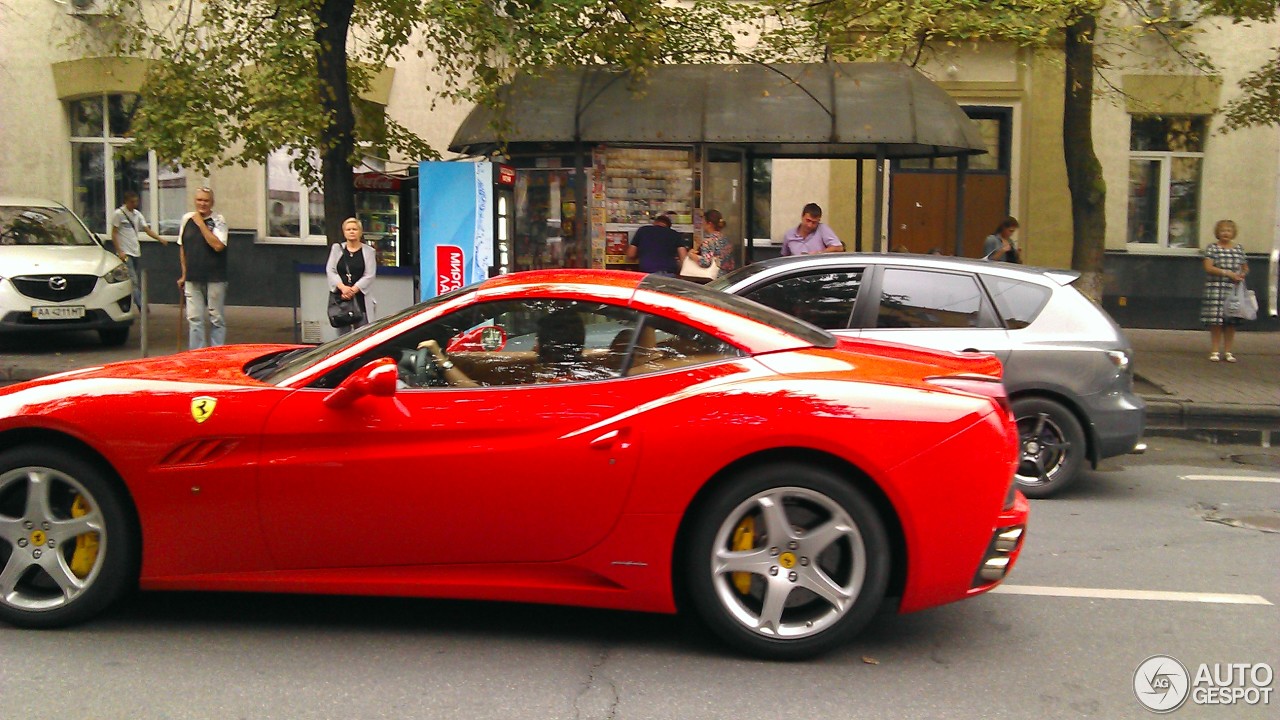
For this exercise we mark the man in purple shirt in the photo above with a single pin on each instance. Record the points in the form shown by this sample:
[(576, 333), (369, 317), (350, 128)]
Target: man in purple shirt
[(811, 235)]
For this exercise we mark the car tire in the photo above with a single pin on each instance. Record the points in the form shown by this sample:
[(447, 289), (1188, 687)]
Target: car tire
[(1052, 447), (68, 543), (794, 593), (114, 337)]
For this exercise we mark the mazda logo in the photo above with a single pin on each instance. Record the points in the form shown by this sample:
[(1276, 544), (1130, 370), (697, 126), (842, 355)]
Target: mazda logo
[(58, 283)]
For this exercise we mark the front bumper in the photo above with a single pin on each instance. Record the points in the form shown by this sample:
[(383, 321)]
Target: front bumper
[(107, 306)]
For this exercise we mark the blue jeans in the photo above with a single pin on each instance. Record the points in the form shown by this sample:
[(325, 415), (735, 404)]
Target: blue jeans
[(206, 301), (131, 264)]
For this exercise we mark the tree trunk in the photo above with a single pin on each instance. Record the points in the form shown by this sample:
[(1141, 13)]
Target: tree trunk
[(1084, 172), (337, 139)]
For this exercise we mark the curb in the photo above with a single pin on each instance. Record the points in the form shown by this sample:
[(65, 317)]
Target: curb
[(1186, 412)]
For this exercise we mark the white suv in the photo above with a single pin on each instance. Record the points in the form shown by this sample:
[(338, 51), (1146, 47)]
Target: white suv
[(57, 275)]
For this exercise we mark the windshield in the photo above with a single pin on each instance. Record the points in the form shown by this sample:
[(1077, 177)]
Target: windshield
[(711, 295), (34, 225), (275, 369)]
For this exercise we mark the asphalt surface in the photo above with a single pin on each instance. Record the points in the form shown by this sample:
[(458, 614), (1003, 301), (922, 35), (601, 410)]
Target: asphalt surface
[(1175, 376)]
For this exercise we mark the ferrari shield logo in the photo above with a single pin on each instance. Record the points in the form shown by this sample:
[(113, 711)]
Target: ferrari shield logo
[(202, 407)]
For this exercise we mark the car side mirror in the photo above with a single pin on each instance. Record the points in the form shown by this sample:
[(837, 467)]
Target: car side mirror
[(378, 378), (486, 338)]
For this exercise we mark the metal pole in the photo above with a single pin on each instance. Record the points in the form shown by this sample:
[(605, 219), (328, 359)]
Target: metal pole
[(857, 238), (878, 245), (962, 167), (142, 310)]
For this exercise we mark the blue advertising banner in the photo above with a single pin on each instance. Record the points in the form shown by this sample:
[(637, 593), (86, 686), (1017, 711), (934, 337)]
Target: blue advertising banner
[(455, 222)]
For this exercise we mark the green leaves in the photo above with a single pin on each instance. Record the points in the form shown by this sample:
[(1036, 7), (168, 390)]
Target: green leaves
[(901, 29), (234, 80)]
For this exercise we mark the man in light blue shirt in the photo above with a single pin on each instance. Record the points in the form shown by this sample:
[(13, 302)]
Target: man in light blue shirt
[(811, 235)]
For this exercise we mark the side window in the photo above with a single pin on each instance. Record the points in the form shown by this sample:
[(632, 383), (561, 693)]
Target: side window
[(663, 344), (508, 343), (824, 299), (926, 299), (1017, 302)]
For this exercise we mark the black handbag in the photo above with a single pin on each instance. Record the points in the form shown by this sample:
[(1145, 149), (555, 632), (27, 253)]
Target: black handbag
[(342, 312)]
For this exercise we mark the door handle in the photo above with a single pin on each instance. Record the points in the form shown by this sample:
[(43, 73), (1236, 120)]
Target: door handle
[(609, 439)]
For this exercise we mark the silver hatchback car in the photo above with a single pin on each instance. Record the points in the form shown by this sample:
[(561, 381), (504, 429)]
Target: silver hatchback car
[(1067, 365)]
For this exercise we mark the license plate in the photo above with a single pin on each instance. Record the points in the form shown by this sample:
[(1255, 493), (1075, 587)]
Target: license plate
[(57, 312)]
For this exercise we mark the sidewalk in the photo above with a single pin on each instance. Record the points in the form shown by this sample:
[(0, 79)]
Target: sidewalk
[(1174, 374), (1179, 383)]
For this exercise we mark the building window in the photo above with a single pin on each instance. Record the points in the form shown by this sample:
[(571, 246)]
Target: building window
[(294, 211), (1166, 157), (99, 132)]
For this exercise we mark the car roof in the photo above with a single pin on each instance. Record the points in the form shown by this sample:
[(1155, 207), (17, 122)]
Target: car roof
[(820, 260), (30, 201), (615, 278)]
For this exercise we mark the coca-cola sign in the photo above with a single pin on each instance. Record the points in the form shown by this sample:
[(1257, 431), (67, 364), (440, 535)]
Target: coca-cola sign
[(376, 181), (450, 268), (506, 175)]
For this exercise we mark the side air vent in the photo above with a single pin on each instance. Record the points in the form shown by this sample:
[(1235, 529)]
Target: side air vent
[(200, 452)]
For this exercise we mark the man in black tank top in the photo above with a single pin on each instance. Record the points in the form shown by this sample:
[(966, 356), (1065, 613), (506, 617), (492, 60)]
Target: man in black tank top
[(202, 240)]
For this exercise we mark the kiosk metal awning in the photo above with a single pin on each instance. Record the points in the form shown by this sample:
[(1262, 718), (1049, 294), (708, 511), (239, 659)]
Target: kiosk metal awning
[(817, 110)]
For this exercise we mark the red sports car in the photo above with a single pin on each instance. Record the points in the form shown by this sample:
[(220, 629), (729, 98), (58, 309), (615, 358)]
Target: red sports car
[(590, 438)]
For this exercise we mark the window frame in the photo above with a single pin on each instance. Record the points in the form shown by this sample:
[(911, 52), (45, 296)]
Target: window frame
[(304, 209), (1165, 160), (110, 145)]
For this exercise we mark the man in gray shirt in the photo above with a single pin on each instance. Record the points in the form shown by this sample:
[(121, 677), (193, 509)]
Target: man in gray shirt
[(127, 223)]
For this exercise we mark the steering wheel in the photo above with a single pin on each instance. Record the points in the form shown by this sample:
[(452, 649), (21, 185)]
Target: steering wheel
[(426, 371)]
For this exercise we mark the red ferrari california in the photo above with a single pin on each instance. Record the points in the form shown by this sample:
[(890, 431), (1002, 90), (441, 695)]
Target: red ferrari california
[(604, 439)]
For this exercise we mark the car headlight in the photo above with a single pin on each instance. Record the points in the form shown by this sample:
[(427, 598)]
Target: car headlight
[(118, 274)]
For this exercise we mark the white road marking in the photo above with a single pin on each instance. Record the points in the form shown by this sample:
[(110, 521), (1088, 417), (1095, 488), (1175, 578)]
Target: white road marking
[(1110, 594), (1232, 478)]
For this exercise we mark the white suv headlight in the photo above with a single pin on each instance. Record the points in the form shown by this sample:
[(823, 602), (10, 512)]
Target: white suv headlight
[(118, 274)]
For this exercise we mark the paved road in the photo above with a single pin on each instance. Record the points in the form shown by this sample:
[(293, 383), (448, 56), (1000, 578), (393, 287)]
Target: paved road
[(1136, 526)]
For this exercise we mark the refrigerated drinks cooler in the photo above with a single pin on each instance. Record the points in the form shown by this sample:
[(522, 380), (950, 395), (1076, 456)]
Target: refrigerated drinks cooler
[(465, 226), (377, 199)]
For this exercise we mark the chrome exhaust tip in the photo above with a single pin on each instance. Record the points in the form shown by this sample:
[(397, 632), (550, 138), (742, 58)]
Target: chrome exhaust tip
[(1008, 540), (995, 563), (995, 568)]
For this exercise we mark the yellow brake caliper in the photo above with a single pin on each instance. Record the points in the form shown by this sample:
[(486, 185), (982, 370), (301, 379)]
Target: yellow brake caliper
[(86, 552), (744, 538)]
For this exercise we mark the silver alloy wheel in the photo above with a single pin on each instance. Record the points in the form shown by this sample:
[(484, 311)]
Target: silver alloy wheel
[(804, 570), (39, 532), (1044, 449)]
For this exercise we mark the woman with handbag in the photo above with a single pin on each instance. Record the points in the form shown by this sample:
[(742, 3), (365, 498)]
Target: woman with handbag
[(1225, 268), (351, 269), (714, 255)]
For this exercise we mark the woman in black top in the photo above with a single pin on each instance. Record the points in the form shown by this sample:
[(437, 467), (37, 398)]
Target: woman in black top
[(351, 269)]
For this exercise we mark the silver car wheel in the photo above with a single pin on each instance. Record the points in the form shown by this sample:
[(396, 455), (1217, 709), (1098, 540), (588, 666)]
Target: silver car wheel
[(797, 569), (53, 539)]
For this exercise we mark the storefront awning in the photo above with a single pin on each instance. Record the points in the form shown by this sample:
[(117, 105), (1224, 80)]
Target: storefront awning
[(819, 110)]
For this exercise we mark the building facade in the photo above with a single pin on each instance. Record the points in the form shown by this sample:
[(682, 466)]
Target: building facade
[(1169, 169)]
